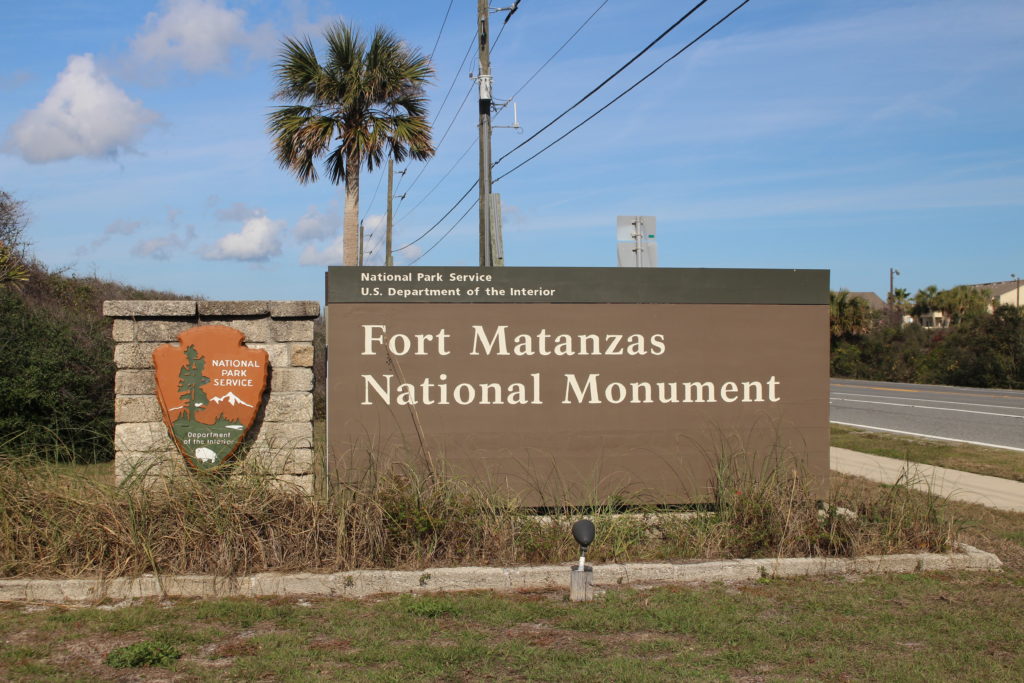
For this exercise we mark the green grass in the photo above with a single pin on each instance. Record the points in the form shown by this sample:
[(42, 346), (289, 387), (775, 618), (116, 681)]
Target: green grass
[(958, 456)]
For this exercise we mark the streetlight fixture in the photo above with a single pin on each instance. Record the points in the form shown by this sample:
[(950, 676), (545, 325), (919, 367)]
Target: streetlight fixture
[(1017, 279)]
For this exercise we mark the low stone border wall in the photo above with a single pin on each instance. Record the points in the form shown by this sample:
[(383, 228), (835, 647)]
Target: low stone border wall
[(281, 440), (365, 582)]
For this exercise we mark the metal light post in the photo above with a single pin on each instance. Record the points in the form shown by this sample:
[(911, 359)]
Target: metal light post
[(892, 295), (1017, 280)]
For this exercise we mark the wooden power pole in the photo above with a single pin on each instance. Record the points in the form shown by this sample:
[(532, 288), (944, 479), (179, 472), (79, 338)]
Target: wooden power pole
[(388, 258), (484, 81)]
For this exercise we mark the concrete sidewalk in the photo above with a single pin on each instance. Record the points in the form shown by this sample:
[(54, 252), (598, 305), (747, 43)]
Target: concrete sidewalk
[(1002, 494)]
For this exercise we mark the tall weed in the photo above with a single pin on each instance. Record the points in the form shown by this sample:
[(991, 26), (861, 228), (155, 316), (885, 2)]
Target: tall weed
[(56, 522)]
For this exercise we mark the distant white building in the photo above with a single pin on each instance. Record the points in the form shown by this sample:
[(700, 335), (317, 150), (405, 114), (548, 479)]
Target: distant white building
[(1005, 293)]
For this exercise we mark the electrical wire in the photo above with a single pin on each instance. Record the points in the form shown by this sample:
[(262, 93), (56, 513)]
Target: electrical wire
[(439, 109), (441, 30), (438, 184), (626, 91), (605, 81), (441, 238), (441, 219), (445, 135), (369, 206), (580, 28)]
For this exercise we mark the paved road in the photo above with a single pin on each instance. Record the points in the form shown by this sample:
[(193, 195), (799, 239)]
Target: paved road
[(990, 417)]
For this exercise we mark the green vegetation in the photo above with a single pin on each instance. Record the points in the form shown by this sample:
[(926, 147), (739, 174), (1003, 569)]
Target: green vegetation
[(981, 349), (56, 353), (147, 653), (936, 626), (365, 99), (958, 456), (57, 366), (13, 220)]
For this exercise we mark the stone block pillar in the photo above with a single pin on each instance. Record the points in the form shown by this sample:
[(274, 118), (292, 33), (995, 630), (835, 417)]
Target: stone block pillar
[(280, 442)]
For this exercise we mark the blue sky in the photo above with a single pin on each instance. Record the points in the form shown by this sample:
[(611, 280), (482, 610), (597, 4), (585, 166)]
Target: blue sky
[(848, 135)]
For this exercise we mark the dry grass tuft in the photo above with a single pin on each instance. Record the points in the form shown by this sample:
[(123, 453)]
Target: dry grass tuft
[(56, 522)]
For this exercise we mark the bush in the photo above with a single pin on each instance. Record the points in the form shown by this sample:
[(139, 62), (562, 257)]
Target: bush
[(148, 653), (56, 380), (981, 351), (57, 366)]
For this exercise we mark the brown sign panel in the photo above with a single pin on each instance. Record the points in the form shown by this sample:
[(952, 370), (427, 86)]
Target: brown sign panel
[(210, 387), (571, 403)]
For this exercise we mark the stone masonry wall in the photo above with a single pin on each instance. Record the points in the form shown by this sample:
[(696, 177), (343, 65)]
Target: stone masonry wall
[(281, 439)]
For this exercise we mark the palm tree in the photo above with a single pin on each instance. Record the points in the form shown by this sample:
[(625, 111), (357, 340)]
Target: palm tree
[(848, 316), (365, 100), (963, 301), (925, 301)]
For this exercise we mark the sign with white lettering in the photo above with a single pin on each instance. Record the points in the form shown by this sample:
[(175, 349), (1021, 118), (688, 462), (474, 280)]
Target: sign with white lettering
[(209, 387), (565, 399)]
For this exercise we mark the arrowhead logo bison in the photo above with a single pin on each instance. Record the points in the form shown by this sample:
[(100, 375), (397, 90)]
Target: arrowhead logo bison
[(209, 387)]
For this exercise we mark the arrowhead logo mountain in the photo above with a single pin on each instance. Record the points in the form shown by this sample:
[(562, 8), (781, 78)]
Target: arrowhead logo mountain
[(210, 388)]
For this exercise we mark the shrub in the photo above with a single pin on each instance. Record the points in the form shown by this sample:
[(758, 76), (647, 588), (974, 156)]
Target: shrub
[(148, 653), (57, 366)]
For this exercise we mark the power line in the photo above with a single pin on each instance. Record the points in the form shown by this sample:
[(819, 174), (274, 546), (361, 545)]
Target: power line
[(580, 28), (441, 30), (372, 199), (605, 81), (441, 219), (455, 80), (438, 184), (436, 115), (624, 92), (445, 135), (441, 238)]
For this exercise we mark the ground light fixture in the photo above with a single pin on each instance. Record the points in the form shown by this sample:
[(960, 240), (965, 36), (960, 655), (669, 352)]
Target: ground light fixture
[(583, 532), (581, 576)]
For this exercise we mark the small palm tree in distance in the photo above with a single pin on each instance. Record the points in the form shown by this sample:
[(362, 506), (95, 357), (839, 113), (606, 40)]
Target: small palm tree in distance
[(362, 104)]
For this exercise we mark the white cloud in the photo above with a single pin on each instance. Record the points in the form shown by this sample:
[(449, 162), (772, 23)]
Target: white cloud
[(122, 227), (118, 227), (315, 225), (331, 255), (84, 114), (374, 239), (198, 35), (238, 212), (159, 248), (258, 240)]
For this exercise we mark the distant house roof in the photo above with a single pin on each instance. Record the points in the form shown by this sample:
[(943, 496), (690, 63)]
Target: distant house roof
[(874, 301), (997, 288)]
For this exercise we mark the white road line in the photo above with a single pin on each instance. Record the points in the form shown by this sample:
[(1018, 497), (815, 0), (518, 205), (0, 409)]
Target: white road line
[(935, 400), (929, 436), (911, 405)]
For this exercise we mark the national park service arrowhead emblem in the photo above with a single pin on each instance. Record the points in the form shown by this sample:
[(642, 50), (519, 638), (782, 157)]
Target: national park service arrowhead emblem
[(210, 387)]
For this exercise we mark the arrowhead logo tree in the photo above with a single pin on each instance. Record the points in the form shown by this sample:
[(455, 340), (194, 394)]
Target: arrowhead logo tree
[(210, 388)]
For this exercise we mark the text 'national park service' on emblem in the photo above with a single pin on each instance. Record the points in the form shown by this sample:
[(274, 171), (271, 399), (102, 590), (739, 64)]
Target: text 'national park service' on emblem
[(209, 387)]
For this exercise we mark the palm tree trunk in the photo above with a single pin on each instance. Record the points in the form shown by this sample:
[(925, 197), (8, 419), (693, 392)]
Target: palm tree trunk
[(350, 236)]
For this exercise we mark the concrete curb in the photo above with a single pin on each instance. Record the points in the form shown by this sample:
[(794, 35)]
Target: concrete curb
[(366, 582)]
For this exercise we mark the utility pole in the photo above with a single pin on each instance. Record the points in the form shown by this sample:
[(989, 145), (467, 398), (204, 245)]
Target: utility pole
[(359, 260), (388, 259), (894, 315), (484, 81)]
